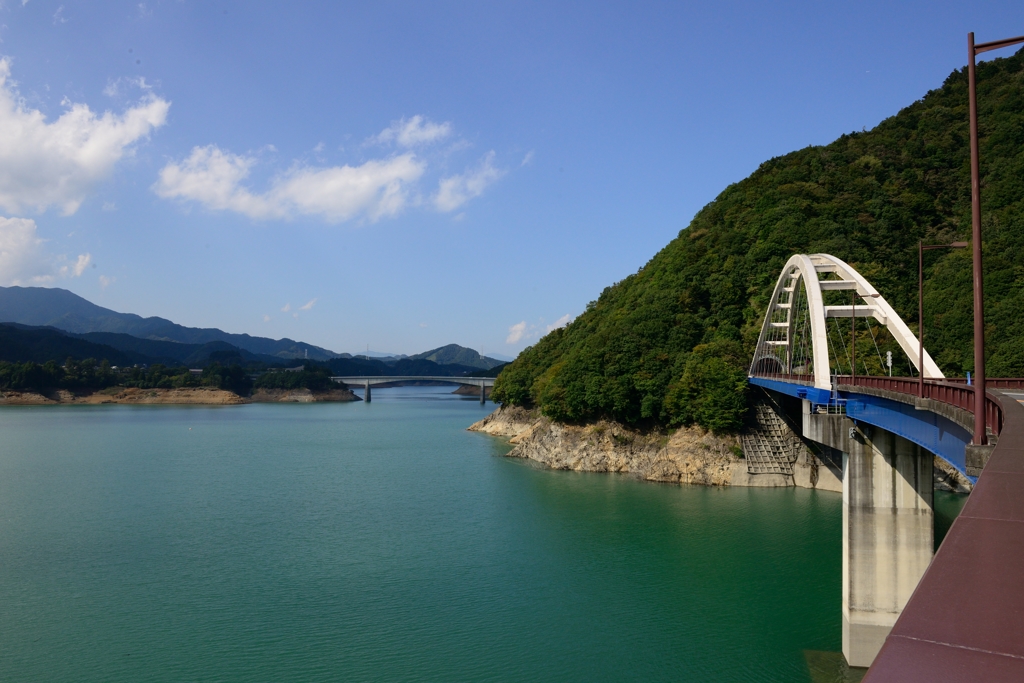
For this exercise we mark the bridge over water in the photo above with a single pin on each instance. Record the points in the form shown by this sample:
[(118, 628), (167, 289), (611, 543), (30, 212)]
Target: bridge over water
[(369, 381), (908, 612)]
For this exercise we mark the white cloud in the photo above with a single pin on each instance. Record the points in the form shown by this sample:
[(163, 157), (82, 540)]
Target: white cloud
[(413, 132), (423, 324), (456, 190), (266, 318), (109, 206), (308, 306), (24, 259), (57, 164), (516, 332), (214, 178), (526, 159), (522, 331), (106, 281), (287, 307), (561, 322), (76, 269)]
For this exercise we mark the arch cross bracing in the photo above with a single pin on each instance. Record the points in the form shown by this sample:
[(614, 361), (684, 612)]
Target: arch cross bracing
[(794, 339)]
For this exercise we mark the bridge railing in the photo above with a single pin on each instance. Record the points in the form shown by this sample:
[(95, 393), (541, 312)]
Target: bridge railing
[(954, 392)]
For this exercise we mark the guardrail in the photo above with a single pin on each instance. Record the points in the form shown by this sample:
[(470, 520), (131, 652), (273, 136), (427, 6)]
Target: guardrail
[(954, 391)]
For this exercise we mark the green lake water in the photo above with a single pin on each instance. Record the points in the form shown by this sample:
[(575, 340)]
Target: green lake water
[(383, 542)]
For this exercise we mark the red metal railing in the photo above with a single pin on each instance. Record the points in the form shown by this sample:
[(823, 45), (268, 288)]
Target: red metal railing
[(954, 391)]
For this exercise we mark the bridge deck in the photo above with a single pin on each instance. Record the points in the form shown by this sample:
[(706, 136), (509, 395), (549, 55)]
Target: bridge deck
[(965, 621)]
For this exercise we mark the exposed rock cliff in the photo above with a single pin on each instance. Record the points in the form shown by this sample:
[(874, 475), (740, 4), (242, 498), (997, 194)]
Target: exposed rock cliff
[(686, 456)]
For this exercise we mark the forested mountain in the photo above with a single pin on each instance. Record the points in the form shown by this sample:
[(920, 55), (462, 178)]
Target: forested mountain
[(458, 355), (670, 344), (53, 307), (20, 344), (421, 367)]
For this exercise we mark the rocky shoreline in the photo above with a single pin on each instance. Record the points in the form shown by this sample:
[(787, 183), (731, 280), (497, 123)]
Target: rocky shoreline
[(182, 396), (685, 456)]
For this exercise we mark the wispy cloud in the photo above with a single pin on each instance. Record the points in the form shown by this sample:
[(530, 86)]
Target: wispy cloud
[(523, 331), (78, 267), (516, 332), (526, 159), (456, 190), (214, 178), (561, 322), (266, 318), (58, 163), (308, 306), (106, 281), (413, 132), (287, 307)]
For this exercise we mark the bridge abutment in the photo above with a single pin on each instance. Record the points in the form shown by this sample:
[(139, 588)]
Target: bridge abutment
[(888, 527)]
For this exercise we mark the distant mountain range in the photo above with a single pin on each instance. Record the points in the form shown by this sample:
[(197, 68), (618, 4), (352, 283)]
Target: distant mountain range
[(39, 324), (53, 307)]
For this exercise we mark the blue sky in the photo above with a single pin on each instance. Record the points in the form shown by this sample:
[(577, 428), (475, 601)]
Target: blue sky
[(410, 174)]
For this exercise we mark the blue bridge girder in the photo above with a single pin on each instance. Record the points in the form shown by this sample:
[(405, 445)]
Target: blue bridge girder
[(935, 433)]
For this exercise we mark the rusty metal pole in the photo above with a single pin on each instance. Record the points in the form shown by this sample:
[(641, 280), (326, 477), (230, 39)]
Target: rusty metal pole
[(973, 50), (920, 318), (979, 279), (853, 337)]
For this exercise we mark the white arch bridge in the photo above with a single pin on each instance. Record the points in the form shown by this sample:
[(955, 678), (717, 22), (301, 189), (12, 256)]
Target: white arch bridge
[(876, 438), (795, 341), (369, 381)]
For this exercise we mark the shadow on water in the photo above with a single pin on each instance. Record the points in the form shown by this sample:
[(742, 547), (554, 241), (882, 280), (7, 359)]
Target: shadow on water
[(947, 507), (831, 667)]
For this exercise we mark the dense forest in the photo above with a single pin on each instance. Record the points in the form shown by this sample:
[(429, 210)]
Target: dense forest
[(88, 374), (670, 345)]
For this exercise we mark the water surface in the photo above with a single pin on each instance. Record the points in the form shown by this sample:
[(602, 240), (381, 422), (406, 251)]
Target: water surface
[(383, 542)]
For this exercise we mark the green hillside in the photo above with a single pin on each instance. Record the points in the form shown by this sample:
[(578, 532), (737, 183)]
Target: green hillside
[(670, 344), (458, 355)]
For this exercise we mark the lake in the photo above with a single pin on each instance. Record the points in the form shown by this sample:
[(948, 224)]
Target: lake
[(383, 542)]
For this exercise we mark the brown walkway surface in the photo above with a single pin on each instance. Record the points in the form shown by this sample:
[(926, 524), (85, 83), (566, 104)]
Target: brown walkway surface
[(965, 621)]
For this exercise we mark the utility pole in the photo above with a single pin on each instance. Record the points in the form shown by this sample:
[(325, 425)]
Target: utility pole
[(980, 438)]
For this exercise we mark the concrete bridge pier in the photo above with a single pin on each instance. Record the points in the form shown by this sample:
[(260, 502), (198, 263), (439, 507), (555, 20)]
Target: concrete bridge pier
[(888, 522), (366, 391), (483, 393)]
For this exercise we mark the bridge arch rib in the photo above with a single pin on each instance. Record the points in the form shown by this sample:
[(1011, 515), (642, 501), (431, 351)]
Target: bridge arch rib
[(786, 347)]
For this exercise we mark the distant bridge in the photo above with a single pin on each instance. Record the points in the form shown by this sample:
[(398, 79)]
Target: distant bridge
[(959, 616), (372, 380)]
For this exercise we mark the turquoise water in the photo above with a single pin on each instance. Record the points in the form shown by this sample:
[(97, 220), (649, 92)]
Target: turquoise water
[(383, 542)]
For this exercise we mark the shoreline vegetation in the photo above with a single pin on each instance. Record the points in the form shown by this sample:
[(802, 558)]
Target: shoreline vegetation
[(176, 396), (90, 383)]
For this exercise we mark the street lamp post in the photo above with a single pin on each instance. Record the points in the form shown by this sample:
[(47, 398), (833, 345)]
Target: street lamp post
[(979, 312), (921, 248)]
